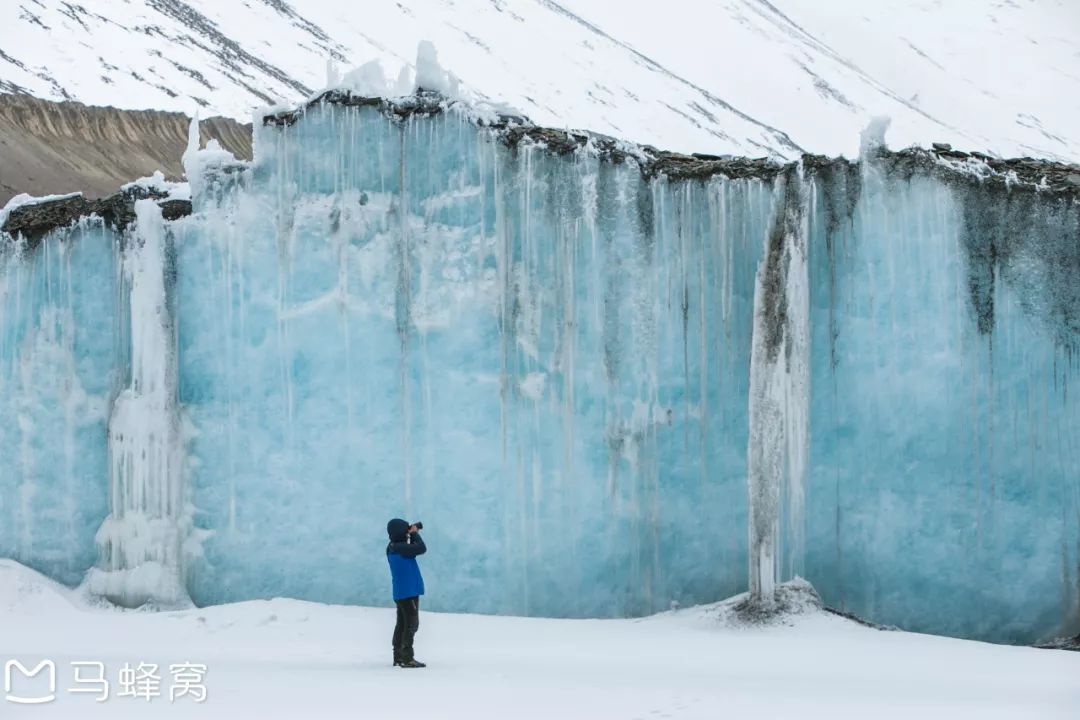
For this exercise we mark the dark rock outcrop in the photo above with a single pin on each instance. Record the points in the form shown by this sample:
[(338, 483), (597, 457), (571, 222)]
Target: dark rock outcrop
[(32, 222)]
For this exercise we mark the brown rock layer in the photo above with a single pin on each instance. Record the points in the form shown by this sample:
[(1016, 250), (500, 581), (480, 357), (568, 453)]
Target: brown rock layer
[(51, 148)]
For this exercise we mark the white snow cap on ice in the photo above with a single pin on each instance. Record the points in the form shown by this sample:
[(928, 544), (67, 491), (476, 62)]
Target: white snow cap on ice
[(26, 199), (158, 183), (368, 80)]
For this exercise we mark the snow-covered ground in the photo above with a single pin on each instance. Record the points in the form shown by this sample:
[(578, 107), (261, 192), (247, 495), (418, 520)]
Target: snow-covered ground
[(291, 659), (747, 77)]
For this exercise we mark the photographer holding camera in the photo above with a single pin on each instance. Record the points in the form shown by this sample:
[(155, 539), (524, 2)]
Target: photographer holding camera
[(405, 545)]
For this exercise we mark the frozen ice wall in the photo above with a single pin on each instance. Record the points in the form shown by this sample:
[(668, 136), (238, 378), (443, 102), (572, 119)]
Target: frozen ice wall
[(59, 355), (602, 388), (945, 457), (541, 356)]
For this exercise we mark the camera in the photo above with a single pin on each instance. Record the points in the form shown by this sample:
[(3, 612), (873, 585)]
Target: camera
[(419, 525)]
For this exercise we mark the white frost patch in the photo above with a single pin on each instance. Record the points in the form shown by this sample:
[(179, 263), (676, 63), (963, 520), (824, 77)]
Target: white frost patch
[(533, 385)]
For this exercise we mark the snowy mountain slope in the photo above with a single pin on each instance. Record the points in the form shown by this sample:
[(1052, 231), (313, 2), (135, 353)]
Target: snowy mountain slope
[(734, 76), (1000, 76)]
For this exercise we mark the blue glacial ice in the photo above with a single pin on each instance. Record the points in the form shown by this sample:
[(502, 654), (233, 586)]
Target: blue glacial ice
[(602, 390)]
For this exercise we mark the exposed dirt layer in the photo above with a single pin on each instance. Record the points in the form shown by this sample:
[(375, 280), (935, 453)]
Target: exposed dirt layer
[(49, 148), (33, 221), (1029, 173)]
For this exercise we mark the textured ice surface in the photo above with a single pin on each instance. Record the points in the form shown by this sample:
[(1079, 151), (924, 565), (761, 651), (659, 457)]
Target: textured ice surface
[(548, 359), (142, 539), (543, 358), (59, 360), (945, 456)]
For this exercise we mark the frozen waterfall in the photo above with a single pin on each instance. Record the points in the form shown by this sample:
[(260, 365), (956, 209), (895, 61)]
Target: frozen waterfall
[(141, 540), (779, 391)]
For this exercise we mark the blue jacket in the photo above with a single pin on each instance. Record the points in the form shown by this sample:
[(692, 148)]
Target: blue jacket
[(401, 554)]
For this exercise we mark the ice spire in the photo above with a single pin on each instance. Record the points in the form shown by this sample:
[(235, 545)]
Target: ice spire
[(190, 158), (141, 540), (429, 74), (333, 77), (872, 137), (404, 85)]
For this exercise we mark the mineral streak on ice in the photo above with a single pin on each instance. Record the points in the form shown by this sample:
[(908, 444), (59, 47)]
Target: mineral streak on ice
[(141, 542), (779, 391)]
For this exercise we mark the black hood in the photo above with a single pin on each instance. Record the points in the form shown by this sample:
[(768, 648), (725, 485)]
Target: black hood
[(397, 529)]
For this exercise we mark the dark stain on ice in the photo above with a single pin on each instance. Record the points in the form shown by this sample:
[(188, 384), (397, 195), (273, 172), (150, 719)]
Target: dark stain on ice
[(1020, 225), (782, 233), (841, 185)]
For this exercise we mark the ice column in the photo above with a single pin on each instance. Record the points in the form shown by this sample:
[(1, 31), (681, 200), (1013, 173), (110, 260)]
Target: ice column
[(141, 541), (779, 387)]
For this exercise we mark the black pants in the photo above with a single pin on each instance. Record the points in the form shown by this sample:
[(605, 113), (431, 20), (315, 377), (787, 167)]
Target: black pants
[(408, 622)]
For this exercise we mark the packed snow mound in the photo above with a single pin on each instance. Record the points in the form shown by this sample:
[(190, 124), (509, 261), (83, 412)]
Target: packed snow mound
[(743, 77), (793, 598), (25, 591)]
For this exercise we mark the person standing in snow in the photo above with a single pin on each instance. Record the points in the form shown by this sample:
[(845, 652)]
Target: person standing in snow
[(408, 585)]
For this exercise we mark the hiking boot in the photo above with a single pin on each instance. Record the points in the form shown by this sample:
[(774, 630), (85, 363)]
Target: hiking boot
[(414, 663)]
